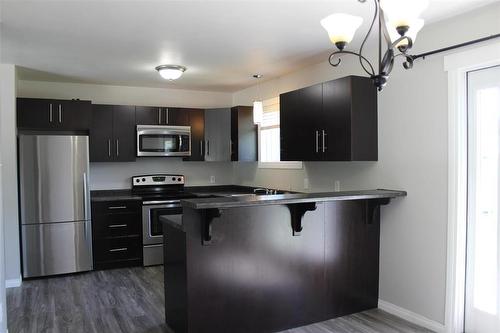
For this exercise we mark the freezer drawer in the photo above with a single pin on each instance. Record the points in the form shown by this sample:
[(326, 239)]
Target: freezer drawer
[(56, 248)]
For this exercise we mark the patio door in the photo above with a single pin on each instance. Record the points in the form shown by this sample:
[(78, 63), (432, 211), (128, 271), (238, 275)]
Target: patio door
[(482, 294)]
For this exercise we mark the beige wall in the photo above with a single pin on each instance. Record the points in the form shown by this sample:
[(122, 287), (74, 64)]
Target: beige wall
[(106, 94), (8, 153)]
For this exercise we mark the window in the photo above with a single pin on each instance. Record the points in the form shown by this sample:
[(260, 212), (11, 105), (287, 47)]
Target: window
[(269, 138)]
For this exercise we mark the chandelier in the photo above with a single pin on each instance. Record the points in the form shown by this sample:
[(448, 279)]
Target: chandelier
[(398, 25)]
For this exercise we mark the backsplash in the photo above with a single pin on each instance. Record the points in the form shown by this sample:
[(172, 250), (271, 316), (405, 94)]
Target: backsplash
[(106, 176)]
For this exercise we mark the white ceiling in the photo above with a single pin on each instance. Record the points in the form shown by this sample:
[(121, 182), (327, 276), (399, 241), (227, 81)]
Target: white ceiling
[(221, 42)]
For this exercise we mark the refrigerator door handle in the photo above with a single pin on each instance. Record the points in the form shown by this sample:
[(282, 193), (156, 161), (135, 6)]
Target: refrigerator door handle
[(85, 203)]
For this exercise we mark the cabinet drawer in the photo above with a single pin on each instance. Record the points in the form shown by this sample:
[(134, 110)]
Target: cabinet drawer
[(117, 224), (118, 249), (106, 207)]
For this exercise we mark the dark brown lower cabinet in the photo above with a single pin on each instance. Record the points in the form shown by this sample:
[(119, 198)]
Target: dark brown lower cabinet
[(256, 276), (116, 234)]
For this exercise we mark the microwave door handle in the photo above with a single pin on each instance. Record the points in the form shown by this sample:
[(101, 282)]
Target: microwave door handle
[(180, 142)]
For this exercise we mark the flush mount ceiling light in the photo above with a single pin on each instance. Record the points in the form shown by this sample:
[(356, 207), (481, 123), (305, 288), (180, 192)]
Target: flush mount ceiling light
[(171, 72), (398, 22), (258, 107)]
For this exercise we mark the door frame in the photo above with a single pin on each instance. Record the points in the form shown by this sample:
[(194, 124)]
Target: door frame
[(457, 65)]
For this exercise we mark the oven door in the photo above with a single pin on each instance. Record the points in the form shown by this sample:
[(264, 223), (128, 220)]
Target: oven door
[(163, 140), (152, 232)]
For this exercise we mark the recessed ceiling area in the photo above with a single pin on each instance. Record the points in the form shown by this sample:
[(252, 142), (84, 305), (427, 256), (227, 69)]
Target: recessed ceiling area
[(222, 43)]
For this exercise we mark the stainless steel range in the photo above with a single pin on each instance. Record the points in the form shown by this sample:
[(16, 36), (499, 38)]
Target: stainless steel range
[(161, 195)]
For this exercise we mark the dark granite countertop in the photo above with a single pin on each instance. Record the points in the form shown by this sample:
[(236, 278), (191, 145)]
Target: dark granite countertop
[(281, 199), (113, 195)]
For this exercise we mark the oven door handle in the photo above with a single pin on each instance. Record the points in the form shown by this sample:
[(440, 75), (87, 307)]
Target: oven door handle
[(161, 202)]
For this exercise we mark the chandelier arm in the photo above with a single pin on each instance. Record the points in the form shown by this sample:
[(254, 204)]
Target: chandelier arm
[(402, 38), (361, 58), (384, 32), (387, 62), (338, 53)]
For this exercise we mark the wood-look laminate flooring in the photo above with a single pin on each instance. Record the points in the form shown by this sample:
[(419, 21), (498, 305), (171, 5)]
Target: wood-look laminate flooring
[(131, 300)]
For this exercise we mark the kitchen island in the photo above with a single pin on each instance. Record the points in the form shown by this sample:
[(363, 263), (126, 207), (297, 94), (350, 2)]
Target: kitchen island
[(269, 263)]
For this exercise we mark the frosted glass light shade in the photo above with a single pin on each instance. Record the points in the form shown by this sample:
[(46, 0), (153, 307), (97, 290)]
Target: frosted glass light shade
[(258, 110), (171, 72), (403, 12), (412, 32), (341, 27)]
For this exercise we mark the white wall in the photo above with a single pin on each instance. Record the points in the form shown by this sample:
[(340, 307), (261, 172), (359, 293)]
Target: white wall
[(117, 175), (412, 156), (8, 152)]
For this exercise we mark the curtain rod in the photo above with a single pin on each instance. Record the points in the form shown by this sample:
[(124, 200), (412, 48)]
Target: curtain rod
[(475, 41)]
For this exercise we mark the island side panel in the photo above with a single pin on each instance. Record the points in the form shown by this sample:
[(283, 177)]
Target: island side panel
[(255, 276), (352, 257), (174, 254)]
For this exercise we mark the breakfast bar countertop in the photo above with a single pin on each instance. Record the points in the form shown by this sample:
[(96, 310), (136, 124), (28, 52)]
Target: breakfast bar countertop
[(283, 199)]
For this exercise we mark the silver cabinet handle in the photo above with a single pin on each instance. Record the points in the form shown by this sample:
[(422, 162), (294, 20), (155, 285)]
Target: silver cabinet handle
[(317, 141), (60, 113), (121, 249), (117, 147), (109, 147), (117, 207), (324, 135), (166, 116), (50, 113), (159, 116), (117, 226), (201, 148)]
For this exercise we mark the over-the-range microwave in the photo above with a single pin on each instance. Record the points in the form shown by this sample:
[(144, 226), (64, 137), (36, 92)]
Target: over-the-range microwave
[(154, 140)]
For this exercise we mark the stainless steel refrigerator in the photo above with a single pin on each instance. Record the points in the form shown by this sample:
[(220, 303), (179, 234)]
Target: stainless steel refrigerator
[(56, 231)]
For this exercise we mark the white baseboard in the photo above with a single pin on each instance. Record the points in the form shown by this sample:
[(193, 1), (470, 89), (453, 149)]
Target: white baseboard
[(12, 283), (410, 316)]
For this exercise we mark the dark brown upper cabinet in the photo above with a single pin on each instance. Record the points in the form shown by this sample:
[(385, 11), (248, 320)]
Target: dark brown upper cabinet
[(332, 121), (197, 122), (112, 134), (218, 135), (243, 134), (154, 115), (53, 114)]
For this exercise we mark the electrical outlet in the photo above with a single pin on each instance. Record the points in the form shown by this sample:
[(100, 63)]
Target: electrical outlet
[(306, 183), (337, 186), (212, 179)]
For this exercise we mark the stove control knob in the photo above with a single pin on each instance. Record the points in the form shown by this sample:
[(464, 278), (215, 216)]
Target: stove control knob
[(137, 180), (179, 179), (143, 179), (173, 179)]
